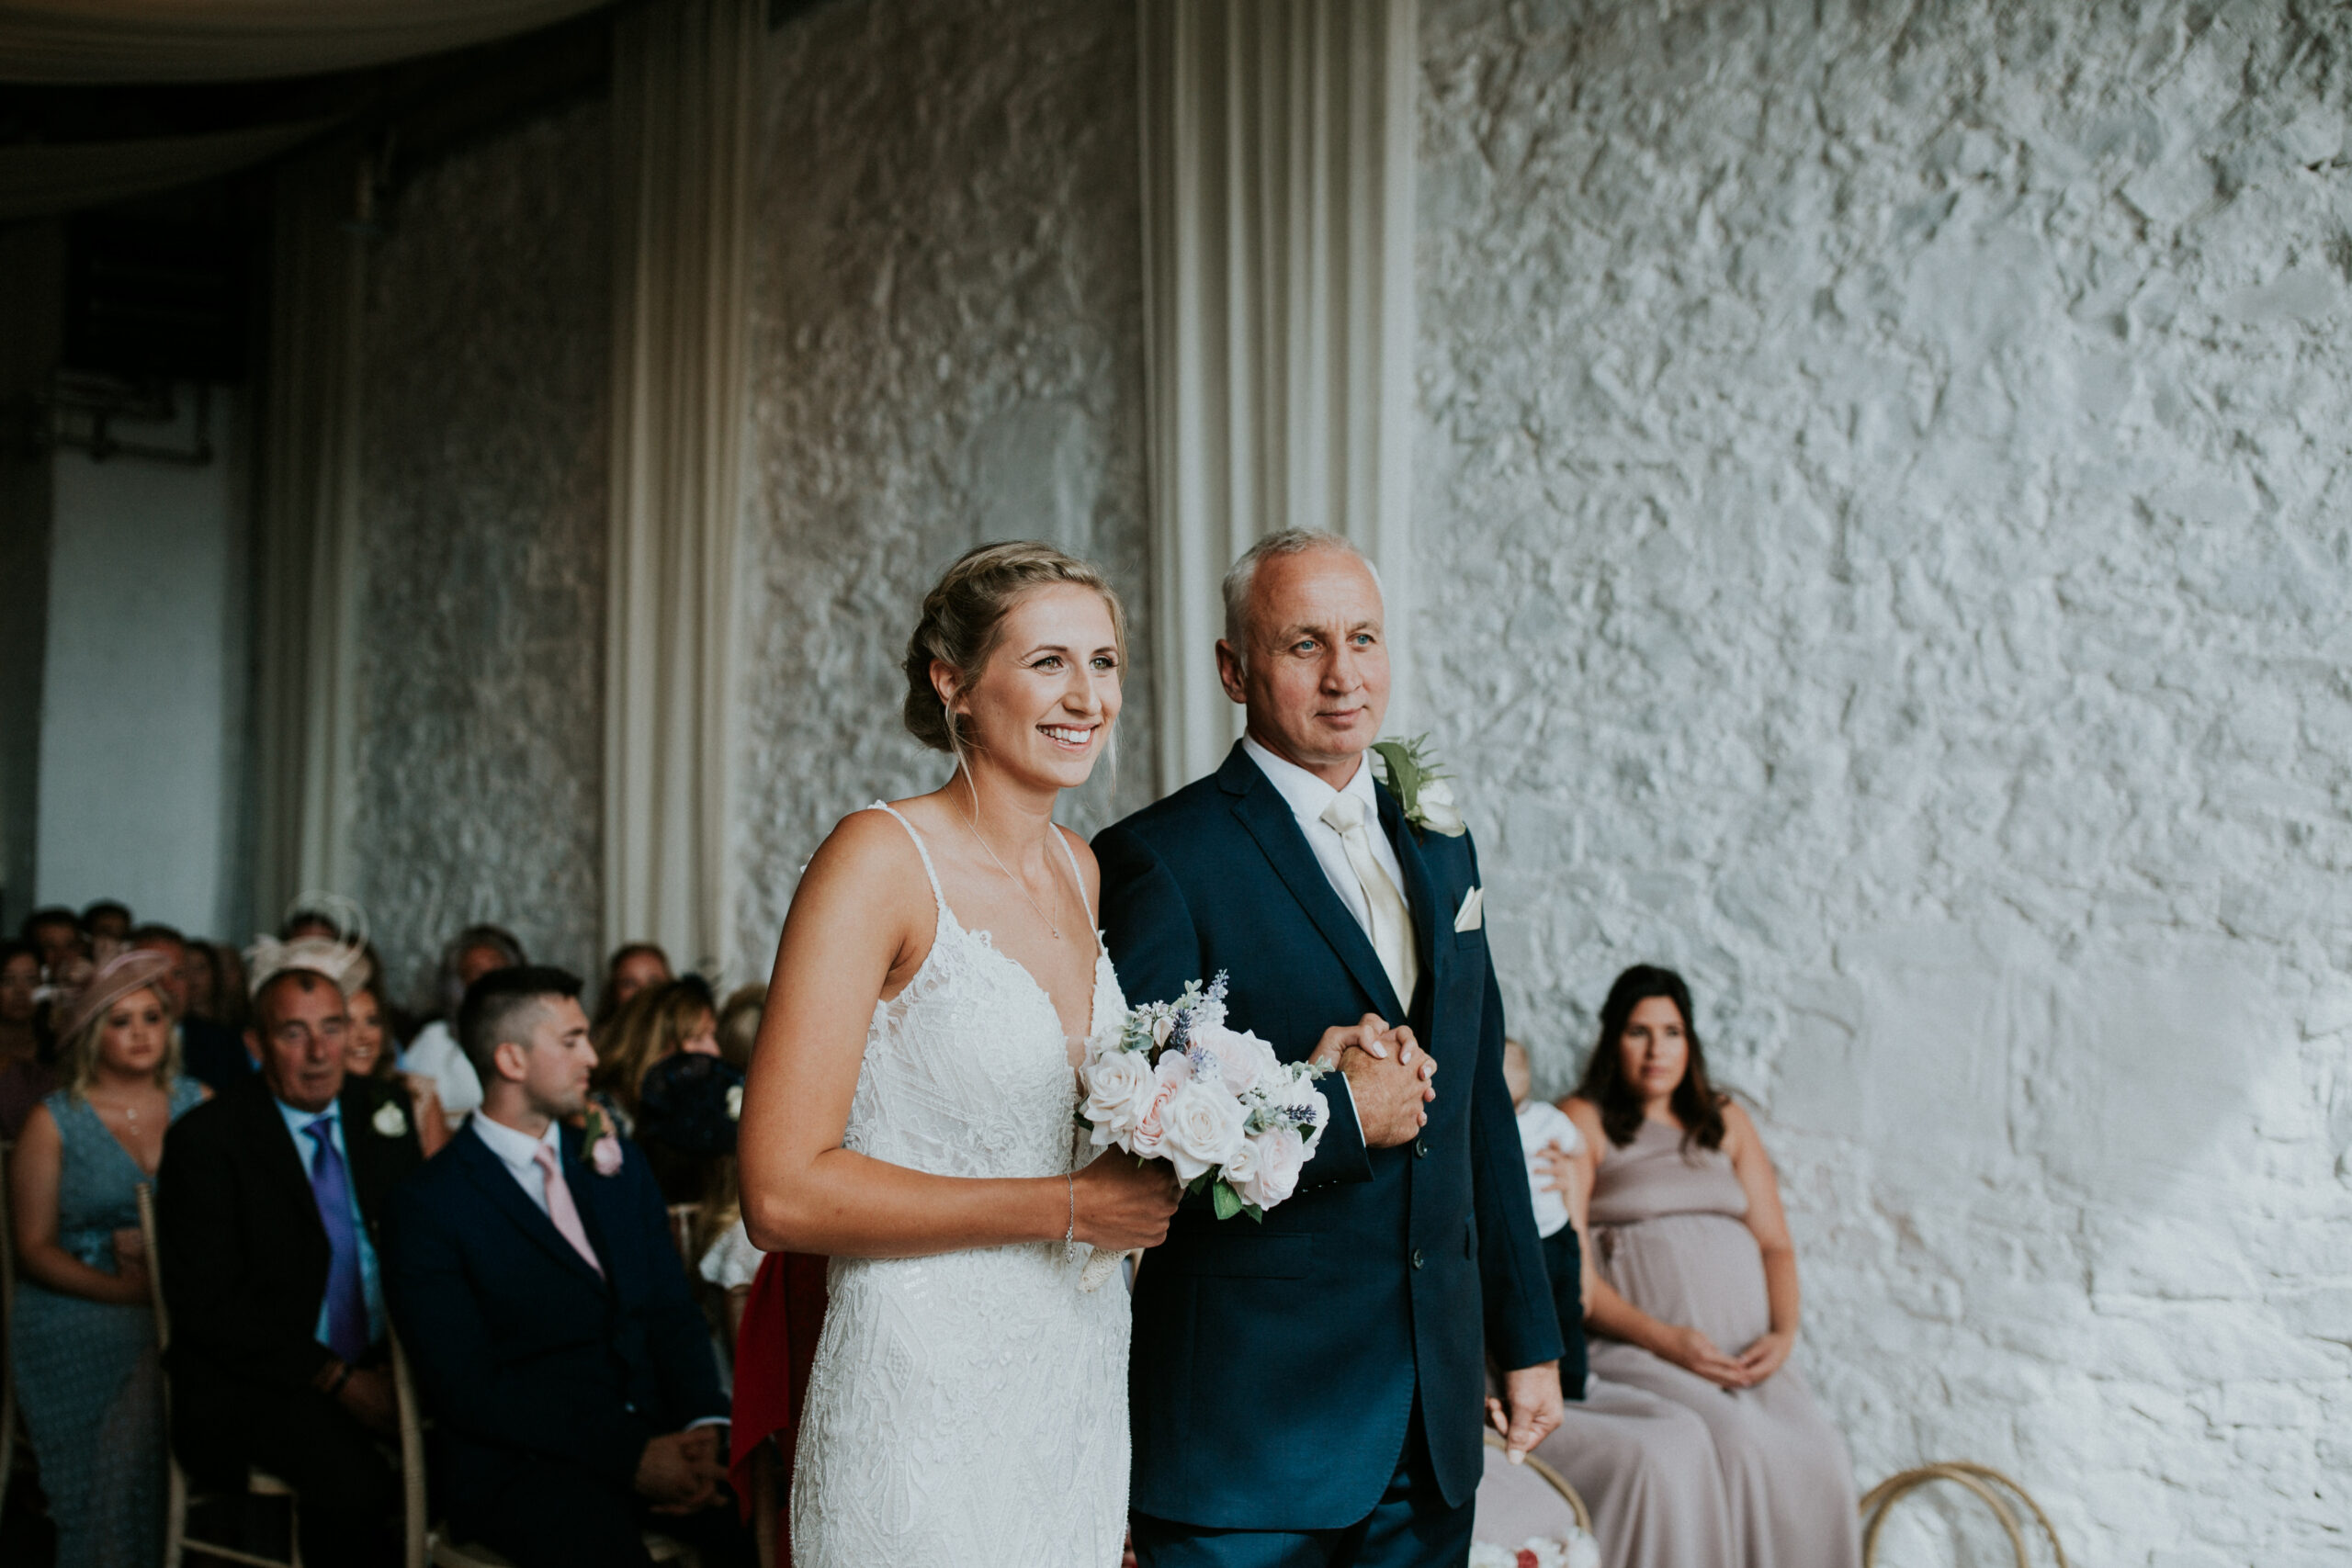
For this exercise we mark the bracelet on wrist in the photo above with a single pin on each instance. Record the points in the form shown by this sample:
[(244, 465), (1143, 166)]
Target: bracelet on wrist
[(1070, 1232)]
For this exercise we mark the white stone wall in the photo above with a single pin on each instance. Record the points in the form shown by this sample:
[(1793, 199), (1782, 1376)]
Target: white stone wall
[(1883, 497), (948, 349), (482, 495)]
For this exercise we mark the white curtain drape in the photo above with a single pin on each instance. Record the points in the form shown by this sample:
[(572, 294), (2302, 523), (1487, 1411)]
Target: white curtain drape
[(684, 102), (40, 178), (1278, 145), (236, 40), (307, 597)]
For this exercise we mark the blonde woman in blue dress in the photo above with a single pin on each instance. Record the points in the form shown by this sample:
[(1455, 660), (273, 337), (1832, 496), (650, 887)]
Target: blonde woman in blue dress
[(83, 1340), (909, 1113)]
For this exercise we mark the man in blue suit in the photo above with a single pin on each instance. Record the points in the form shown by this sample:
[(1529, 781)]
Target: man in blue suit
[(1308, 1391), (570, 1376)]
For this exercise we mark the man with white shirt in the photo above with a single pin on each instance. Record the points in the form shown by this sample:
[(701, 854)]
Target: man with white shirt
[(1372, 1299), (569, 1375)]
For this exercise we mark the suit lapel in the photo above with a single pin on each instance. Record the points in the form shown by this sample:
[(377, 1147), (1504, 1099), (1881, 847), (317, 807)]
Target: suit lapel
[(284, 1165), (366, 1149), (1269, 819), (1420, 896), (490, 1175), (590, 1192)]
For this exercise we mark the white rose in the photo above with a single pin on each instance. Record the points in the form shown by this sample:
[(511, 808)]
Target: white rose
[(1241, 1064), (1200, 1127), (1240, 1166), (1279, 1156), (1161, 1029), (1434, 806), (1118, 1087)]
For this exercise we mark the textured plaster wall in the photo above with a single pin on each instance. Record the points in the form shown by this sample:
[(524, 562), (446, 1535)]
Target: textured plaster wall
[(482, 494), (1883, 491), (946, 349)]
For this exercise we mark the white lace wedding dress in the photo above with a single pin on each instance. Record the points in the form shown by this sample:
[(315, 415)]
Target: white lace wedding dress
[(970, 1407)]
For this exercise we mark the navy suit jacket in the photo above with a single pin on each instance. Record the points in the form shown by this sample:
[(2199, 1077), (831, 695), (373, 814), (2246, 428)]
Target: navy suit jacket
[(520, 1351), (1276, 1365)]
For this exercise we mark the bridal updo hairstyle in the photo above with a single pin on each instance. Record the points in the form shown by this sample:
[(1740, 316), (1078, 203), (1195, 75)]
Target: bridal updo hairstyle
[(963, 621), (1697, 1102)]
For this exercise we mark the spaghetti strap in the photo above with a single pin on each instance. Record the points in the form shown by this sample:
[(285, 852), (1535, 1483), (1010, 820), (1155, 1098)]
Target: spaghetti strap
[(938, 897), (1077, 876)]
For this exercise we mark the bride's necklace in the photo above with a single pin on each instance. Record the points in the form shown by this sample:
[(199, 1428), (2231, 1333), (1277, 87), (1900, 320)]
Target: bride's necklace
[(1018, 886)]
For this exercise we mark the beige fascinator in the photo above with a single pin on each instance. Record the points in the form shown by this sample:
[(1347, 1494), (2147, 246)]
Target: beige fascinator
[(343, 960), (126, 972)]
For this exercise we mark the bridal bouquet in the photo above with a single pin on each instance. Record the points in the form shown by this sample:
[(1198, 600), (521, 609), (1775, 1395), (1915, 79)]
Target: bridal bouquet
[(1170, 1081)]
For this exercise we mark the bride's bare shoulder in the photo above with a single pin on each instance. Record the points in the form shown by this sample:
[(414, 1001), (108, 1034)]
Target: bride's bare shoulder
[(868, 850)]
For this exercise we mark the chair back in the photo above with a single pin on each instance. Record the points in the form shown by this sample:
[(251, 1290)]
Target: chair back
[(683, 1220), (146, 1192)]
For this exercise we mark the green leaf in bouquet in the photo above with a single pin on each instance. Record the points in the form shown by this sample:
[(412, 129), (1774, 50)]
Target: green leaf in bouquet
[(1229, 1202)]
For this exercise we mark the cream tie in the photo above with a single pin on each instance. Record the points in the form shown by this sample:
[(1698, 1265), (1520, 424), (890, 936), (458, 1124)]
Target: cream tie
[(1391, 923)]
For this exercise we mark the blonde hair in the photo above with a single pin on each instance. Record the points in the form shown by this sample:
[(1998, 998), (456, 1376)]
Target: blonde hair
[(649, 1028), (963, 622), (78, 1057)]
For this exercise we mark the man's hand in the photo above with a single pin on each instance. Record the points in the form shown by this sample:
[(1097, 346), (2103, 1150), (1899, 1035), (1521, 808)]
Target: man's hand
[(368, 1395), (1534, 1409), (679, 1471), (1388, 1076)]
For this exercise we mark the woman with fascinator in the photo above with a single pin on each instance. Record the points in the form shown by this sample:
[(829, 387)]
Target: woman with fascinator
[(84, 1338)]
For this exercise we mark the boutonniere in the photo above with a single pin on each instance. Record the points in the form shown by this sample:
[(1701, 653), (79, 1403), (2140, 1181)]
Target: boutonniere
[(604, 1143), (391, 1121), (1419, 783)]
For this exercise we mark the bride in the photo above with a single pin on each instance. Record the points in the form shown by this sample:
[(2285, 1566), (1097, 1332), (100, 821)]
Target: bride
[(910, 1110)]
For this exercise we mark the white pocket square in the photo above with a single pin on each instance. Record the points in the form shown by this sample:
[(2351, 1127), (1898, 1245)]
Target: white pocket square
[(1473, 913)]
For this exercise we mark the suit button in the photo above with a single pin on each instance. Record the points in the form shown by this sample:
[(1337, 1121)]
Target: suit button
[(1420, 1148), (1416, 1258)]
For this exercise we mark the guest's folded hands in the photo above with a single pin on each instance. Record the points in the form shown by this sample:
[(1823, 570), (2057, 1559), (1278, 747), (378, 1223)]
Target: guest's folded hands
[(1694, 1352), (1765, 1357), (680, 1470)]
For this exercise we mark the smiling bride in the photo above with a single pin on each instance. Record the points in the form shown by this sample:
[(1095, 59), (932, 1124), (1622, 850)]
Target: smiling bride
[(909, 1110)]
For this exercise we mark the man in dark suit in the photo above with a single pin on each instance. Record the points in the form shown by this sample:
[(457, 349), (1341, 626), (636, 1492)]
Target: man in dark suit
[(571, 1378), (268, 1204), (1409, 1256)]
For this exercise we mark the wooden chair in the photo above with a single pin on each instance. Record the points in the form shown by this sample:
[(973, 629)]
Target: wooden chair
[(1986, 1483), (258, 1482), (682, 1218)]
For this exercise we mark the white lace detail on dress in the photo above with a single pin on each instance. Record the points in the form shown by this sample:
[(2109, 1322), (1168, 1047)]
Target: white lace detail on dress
[(972, 1407)]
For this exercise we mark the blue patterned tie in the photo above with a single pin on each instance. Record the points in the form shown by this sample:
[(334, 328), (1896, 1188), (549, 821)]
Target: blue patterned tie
[(346, 1298)]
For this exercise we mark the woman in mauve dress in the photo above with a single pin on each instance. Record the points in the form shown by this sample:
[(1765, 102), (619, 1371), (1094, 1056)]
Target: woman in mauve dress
[(1691, 1286)]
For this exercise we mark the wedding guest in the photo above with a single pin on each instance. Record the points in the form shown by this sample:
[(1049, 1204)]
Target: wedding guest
[(739, 1024), (632, 967), (475, 952), (52, 932), (83, 1341), (208, 1053), (656, 1025), (1549, 1141), (270, 1200), (1692, 1290), (232, 1010), (108, 919), (574, 1398), (24, 1077), (367, 1054), (203, 972)]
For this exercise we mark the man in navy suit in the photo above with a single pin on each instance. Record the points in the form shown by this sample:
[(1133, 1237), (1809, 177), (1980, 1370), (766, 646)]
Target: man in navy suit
[(1307, 1390), (543, 1306)]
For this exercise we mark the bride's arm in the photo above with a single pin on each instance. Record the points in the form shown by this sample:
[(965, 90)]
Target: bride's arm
[(863, 918)]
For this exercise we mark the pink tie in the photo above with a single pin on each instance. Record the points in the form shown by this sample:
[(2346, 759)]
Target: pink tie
[(561, 1209)]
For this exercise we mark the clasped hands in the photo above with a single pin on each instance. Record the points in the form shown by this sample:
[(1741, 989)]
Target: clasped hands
[(1695, 1353), (680, 1470), (1389, 1077)]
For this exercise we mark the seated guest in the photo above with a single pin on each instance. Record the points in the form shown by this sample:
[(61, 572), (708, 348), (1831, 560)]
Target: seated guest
[(1692, 1292), (739, 1024), (108, 919), (52, 934), (574, 1396), (269, 1204), (632, 967), (367, 1054), (1549, 1140), (25, 1076), (208, 1053), (658, 1024), (434, 1052), (83, 1340), (229, 1009)]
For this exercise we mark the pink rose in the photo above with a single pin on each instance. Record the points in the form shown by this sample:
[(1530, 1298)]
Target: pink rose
[(1280, 1155), (1170, 1074), (606, 1155)]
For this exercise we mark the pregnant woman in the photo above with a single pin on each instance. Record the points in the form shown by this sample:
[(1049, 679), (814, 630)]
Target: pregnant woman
[(1691, 1282)]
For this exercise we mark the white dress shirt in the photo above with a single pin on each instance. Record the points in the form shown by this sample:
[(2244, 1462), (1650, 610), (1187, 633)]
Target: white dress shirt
[(1542, 1122), (1309, 797)]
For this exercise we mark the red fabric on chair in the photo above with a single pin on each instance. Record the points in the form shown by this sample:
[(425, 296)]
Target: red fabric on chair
[(773, 1354)]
